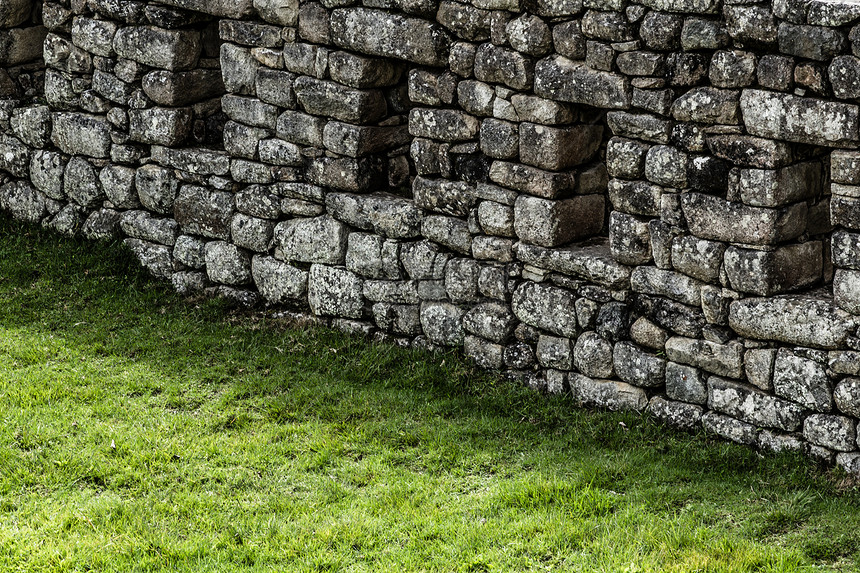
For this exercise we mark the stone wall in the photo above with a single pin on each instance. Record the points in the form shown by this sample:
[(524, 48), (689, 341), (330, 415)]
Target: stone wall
[(649, 204)]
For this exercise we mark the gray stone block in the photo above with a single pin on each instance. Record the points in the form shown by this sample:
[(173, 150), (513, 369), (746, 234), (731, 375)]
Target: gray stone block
[(334, 291)]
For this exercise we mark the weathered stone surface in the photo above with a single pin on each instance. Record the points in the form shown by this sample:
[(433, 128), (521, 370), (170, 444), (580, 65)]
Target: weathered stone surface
[(549, 223), (591, 260), (546, 307), (198, 161), (167, 49), (532, 180), (315, 240), (379, 33), (239, 69), (606, 393), (14, 156), (554, 352), (802, 380), (493, 321), (406, 319), (100, 225), (794, 320), (720, 359), (749, 151), (23, 201), (592, 356), (442, 322), (190, 251), (847, 396), (334, 291), (651, 280), (355, 141), (730, 428), (281, 12), (157, 188), (846, 290), (236, 9), (372, 256), (46, 173), (637, 367), (629, 238), (160, 126), (251, 233), (227, 264), (155, 258), (443, 124), (707, 105), (81, 134), (278, 282), (382, 213), (686, 383), (766, 273), (698, 258), (14, 13), (832, 432), (182, 88), (679, 318), (502, 65), (320, 97), (678, 414), (802, 120), (443, 196), (142, 225), (205, 212), (758, 367), (557, 149), (32, 125), (448, 231), (714, 218), (561, 79), (81, 184), (752, 405)]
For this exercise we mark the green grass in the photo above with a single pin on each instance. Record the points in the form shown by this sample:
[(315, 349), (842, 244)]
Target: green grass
[(142, 432)]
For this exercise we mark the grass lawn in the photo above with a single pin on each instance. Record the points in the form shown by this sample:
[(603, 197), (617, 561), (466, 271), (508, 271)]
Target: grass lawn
[(143, 432)]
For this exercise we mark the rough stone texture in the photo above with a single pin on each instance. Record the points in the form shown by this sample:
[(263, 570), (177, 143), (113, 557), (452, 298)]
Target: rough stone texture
[(832, 432), (606, 393), (794, 320), (802, 120), (637, 367), (278, 282), (227, 263), (315, 240), (546, 307), (592, 355), (679, 414), (803, 380), (334, 291)]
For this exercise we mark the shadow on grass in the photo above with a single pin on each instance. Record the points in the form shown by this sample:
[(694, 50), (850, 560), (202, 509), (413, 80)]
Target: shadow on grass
[(94, 298)]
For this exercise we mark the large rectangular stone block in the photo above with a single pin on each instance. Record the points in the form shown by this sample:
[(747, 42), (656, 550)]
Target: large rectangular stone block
[(802, 120), (205, 212), (558, 78), (772, 272), (550, 223), (81, 134), (379, 33), (797, 320), (556, 148), (714, 218), (167, 49)]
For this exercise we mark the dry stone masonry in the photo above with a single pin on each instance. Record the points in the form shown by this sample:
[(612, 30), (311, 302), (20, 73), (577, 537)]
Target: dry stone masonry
[(649, 204)]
